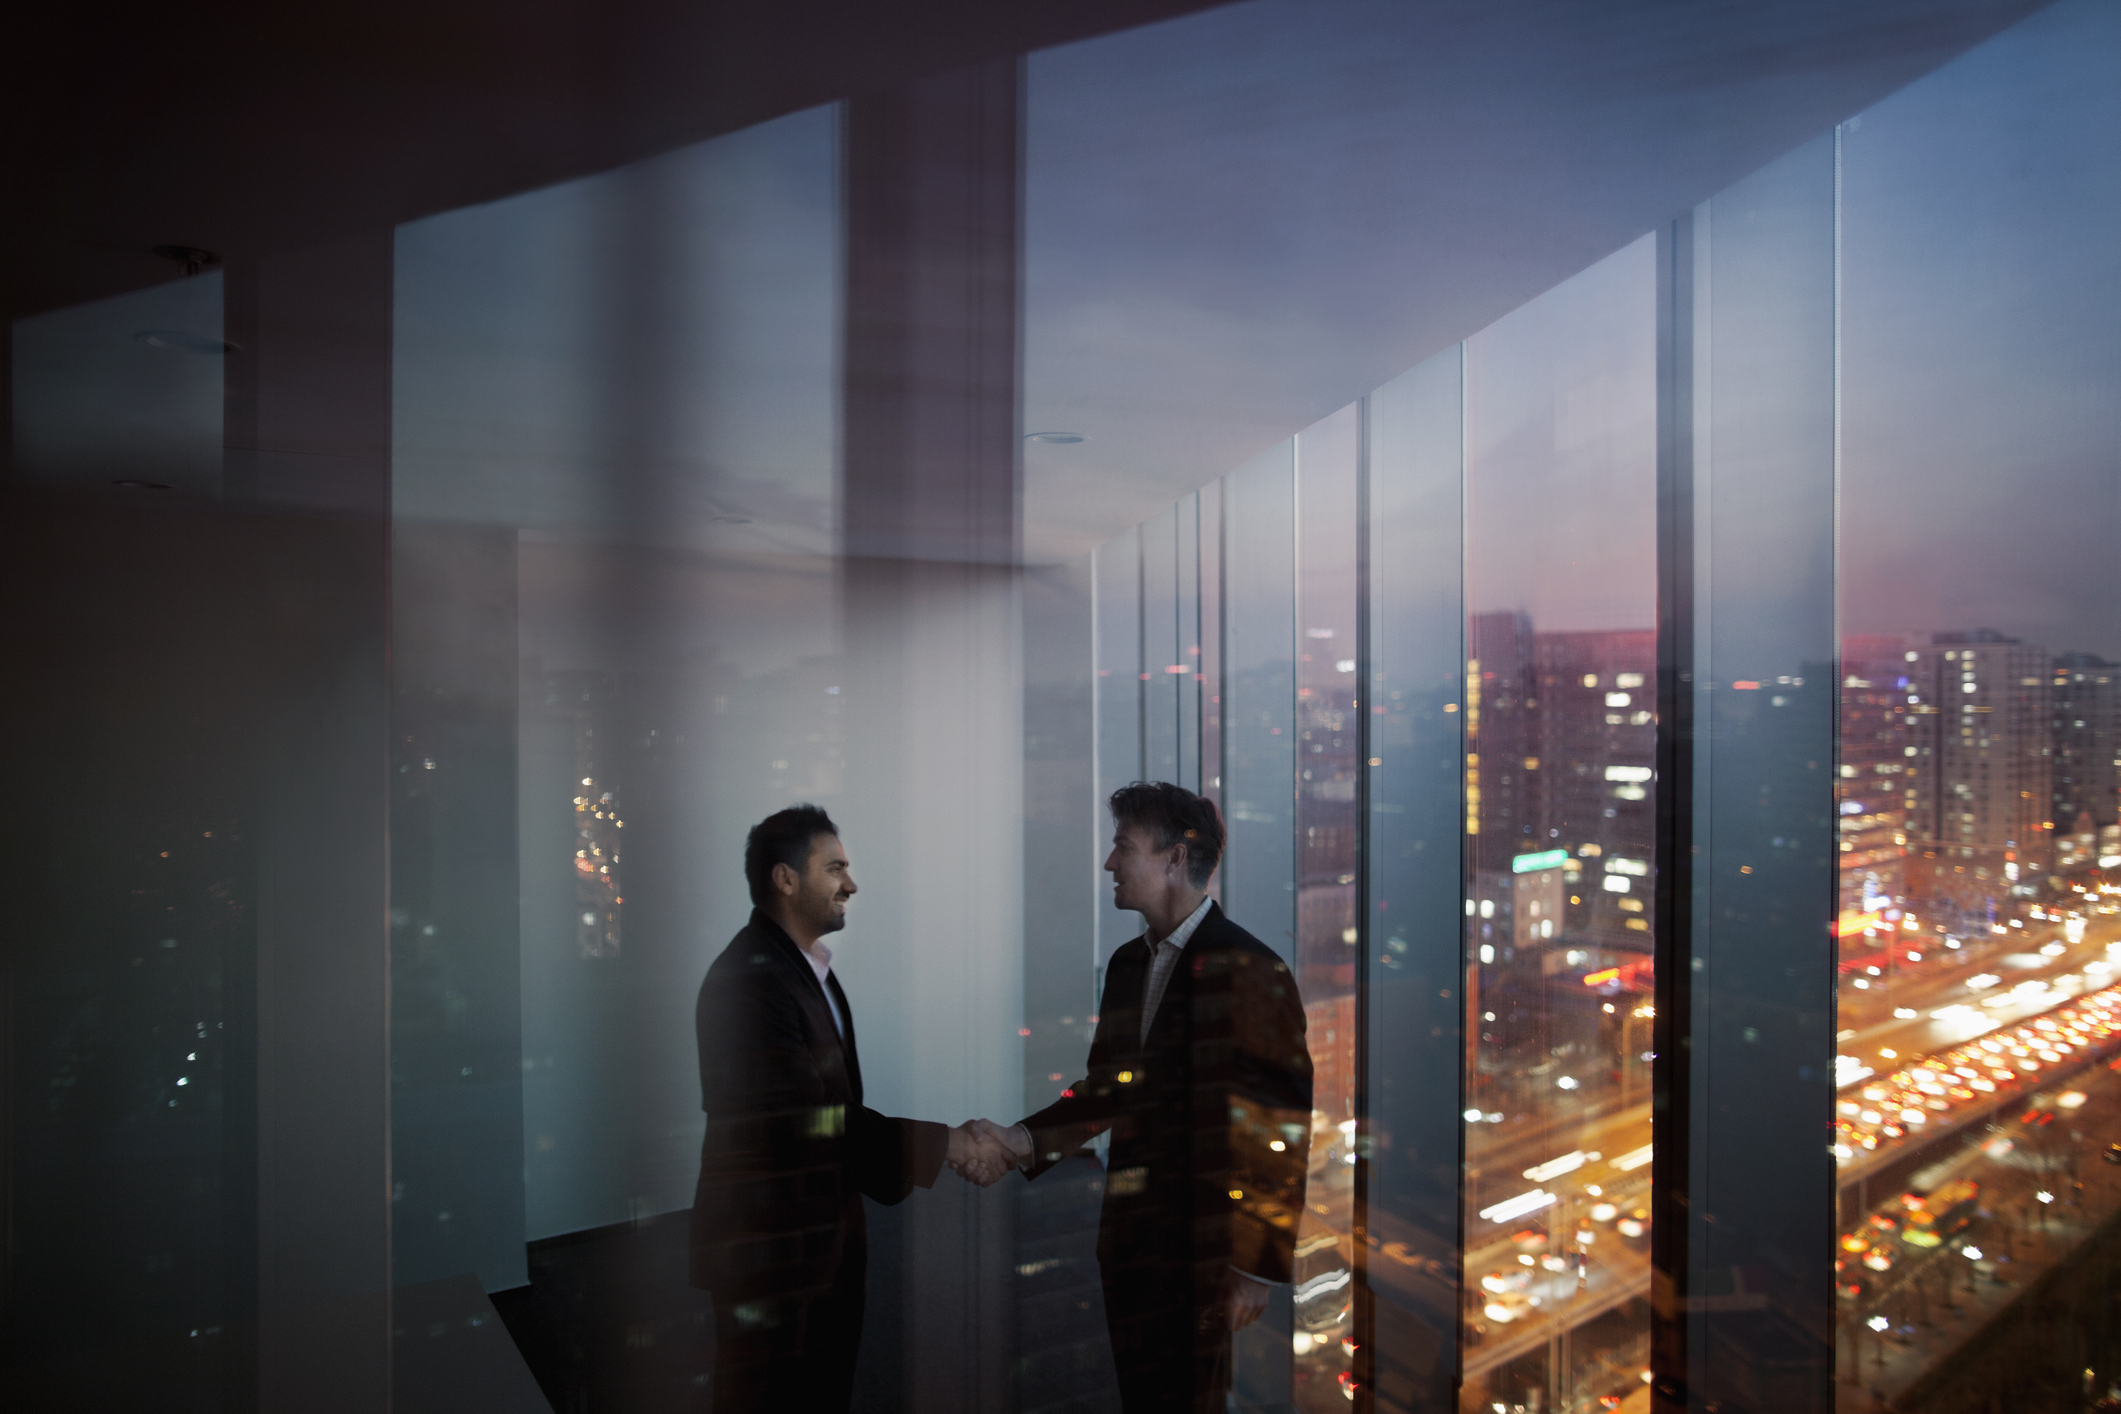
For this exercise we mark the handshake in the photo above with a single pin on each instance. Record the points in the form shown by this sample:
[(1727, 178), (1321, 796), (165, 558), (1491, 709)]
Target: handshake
[(981, 1151)]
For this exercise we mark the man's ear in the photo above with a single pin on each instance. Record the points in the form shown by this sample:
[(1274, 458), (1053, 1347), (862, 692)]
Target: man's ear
[(1180, 857), (786, 881)]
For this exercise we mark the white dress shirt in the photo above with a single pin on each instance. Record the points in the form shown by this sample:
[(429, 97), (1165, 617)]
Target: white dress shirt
[(820, 959), (1163, 961)]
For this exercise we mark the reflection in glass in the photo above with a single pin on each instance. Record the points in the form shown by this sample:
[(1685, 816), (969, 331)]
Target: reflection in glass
[(123, 392), (614, 488), (1408, 650)]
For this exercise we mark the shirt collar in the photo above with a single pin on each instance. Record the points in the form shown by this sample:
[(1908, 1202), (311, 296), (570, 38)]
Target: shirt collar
[(1183, 933), (819, 956)]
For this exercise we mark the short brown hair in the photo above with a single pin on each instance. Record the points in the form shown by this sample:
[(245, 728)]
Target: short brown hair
[(1174, 815)]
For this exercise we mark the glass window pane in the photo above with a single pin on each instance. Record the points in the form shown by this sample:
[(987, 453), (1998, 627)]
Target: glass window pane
[(1212, 556), (1416, 628), (1328, 735), (1116, 570), (1976, 787), (1160, 646), (1760, 759), (1259, 743), (1560, 733), (1184, 669)]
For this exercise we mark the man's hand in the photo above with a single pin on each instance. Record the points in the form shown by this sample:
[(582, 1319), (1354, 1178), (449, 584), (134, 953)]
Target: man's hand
[(1016, 1139), (977, 1155), (1243, 1299)]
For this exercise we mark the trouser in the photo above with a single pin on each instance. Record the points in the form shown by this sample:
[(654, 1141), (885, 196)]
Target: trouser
[(791, 1354), (1172, 1355)]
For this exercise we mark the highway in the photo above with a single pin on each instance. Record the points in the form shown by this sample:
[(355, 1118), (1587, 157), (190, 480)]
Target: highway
[(1539, 1176), (1903, 1323), (1950, 997), (2027, 1145), (1614, 1268), (1998, 992), (1875, 1025)]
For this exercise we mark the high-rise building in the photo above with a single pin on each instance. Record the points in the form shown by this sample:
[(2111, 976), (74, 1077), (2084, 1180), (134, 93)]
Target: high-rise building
[(1502, 739), (2086, 735), (1880, 763), (1598, 793), (1561, 799), (1561, 740), (1983, 809)]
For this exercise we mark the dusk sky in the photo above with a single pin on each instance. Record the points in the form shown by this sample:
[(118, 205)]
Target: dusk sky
[(1561, 452), (1981, 335), (1981, 342), (1981, 329)]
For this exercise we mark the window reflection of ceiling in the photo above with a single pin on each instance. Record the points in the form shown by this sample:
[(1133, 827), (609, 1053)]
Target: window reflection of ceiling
[(650, 354), (125, 390), (1236, 221), (253, 127), (1240, 220)]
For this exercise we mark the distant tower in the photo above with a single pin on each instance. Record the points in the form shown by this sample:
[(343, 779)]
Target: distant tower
[(1597, 705), (1880, 767), (2086, 736), (1502, 737), (1984, 808)]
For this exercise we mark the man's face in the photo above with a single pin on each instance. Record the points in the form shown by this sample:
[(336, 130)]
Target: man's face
[(1140, 871), (820, 892)]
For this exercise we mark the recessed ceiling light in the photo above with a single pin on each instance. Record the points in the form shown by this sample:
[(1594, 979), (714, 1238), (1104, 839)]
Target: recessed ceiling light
[(188, 343), (1057, 439), (730, 520), (144, 485)]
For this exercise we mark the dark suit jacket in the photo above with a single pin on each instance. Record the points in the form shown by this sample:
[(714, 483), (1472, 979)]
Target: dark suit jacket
[(1194, 1184), (790, 1149)]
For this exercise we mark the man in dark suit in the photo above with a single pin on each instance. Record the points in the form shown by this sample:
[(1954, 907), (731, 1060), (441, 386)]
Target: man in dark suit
[(777, 1225), (1200, 1070)]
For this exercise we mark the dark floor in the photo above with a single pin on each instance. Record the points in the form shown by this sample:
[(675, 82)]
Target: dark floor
[(610, 1323)]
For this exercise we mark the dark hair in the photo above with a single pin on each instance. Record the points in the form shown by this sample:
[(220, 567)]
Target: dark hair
[(784, 837), (1174, 815)]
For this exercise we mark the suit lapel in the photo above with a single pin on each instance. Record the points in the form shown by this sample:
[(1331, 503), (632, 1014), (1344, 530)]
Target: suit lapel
[(801, 979), (847, 1048), (1174, 1008), (1128, 993)]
